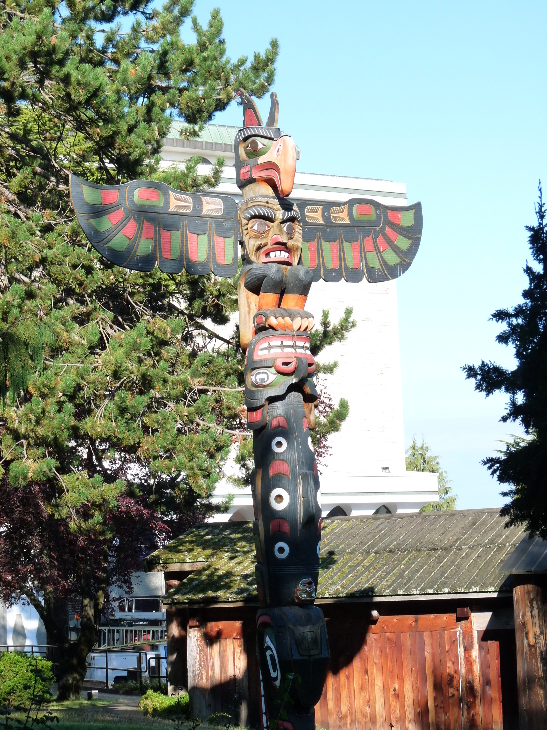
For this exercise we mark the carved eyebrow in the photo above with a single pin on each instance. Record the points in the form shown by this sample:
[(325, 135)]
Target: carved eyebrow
[(290, 215), (258, 211)]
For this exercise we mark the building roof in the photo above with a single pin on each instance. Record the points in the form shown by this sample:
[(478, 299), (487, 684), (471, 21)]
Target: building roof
[(530, 556), (215, 133), (383, 556)]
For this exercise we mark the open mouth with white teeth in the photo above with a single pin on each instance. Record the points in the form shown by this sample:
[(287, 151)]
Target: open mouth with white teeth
[(277, 254)]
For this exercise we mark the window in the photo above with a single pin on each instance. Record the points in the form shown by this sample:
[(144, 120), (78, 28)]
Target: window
[(149, 605)]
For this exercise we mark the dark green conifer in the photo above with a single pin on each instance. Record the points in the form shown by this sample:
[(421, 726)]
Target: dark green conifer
[(522, 465)]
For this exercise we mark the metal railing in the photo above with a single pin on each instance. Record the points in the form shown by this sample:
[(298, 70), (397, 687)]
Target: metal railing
[(136, 673), (109, 636), (45, 650)]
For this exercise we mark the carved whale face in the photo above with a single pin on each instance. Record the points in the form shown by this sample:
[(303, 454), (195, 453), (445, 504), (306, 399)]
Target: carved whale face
[(271, 231)]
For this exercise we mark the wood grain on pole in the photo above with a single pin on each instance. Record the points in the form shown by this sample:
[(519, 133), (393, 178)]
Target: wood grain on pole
[(531, 656)]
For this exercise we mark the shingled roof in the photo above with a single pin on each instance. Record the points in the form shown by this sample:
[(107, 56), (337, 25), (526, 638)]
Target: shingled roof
[(436, 553)]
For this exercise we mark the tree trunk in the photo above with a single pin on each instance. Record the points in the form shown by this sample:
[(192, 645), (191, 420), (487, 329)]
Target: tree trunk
[(72, 659), (71, 655)]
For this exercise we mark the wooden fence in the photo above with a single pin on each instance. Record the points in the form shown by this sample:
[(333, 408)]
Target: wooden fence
[(425, 672)]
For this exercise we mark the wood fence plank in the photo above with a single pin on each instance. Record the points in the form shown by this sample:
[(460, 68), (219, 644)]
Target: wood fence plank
[(371, 671), (198, 672), (242, 684), (495, 681), (486, 688), (336, 706), (407, 682), (363, 682), (469, 666), (401, 681), (342, 678), (221, 650), (437, 679), (443, 664), (415, 669), (216, 630), (410, 623), (454, 713), (381, 720), (422, 681), (321, 720), (356, 689), (385, 679), (430, 680), (350, 693), (392, 683), (332, 722)]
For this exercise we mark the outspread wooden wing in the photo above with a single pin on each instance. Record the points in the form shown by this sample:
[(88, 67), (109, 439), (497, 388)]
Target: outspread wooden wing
[(141, 224), (359, 238)]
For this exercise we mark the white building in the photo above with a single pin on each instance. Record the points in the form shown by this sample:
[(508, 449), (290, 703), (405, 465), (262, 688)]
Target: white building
[(366, 469)]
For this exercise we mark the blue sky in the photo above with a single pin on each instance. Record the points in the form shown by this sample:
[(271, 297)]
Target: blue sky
[(449, 98)]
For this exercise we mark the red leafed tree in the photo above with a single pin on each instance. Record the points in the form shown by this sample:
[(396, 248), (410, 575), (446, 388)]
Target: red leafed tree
[(55, 550)]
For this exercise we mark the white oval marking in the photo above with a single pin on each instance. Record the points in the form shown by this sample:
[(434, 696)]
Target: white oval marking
[(279, 499), (281, 550), (279, 444)]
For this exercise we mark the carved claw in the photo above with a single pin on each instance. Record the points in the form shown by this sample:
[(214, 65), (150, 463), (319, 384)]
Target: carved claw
[(286, 320)]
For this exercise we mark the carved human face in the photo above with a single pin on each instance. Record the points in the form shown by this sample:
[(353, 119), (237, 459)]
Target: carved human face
[(272, 233)]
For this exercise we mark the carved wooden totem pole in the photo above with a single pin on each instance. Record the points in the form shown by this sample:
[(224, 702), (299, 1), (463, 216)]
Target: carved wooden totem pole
[(285, 245)]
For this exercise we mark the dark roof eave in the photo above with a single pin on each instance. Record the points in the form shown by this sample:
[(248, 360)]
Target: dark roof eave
[(351, 599)]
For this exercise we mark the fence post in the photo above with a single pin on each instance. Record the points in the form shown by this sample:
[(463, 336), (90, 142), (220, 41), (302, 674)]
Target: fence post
[(140, 671), (106, 668), (531, 651)]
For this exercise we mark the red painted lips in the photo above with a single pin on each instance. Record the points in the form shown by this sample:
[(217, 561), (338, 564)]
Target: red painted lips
[(276, 253)]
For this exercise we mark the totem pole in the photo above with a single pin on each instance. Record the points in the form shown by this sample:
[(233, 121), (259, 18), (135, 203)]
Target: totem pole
[(285, 246)]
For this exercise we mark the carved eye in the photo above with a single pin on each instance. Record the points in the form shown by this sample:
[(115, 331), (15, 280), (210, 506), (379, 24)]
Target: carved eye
[(290, 228), (262, 377), (259, 226), (254, 145)]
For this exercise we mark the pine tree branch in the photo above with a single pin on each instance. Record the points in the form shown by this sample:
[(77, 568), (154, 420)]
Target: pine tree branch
[(221, 428), (214, 387), (34, 149), (198, 324), (22, 210)]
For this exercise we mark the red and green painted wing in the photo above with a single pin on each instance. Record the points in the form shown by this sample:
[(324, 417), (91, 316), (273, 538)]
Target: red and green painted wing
[(143, 224), (359, 239)]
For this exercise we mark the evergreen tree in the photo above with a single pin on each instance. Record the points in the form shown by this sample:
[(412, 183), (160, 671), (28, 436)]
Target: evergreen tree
[(420, 458), (523, 463), (121, 400)]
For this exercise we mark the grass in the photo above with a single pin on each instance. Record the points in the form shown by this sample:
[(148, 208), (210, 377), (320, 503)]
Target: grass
[(120, 713), (104, 715)]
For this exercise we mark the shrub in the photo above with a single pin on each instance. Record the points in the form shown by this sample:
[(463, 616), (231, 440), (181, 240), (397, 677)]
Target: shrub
[(24, 679), (159, 705)]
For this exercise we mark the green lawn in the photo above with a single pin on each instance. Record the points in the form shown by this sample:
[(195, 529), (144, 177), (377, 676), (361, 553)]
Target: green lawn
[(120, 712)]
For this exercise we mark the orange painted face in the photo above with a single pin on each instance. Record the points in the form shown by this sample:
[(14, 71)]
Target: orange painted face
[(272, 234)]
